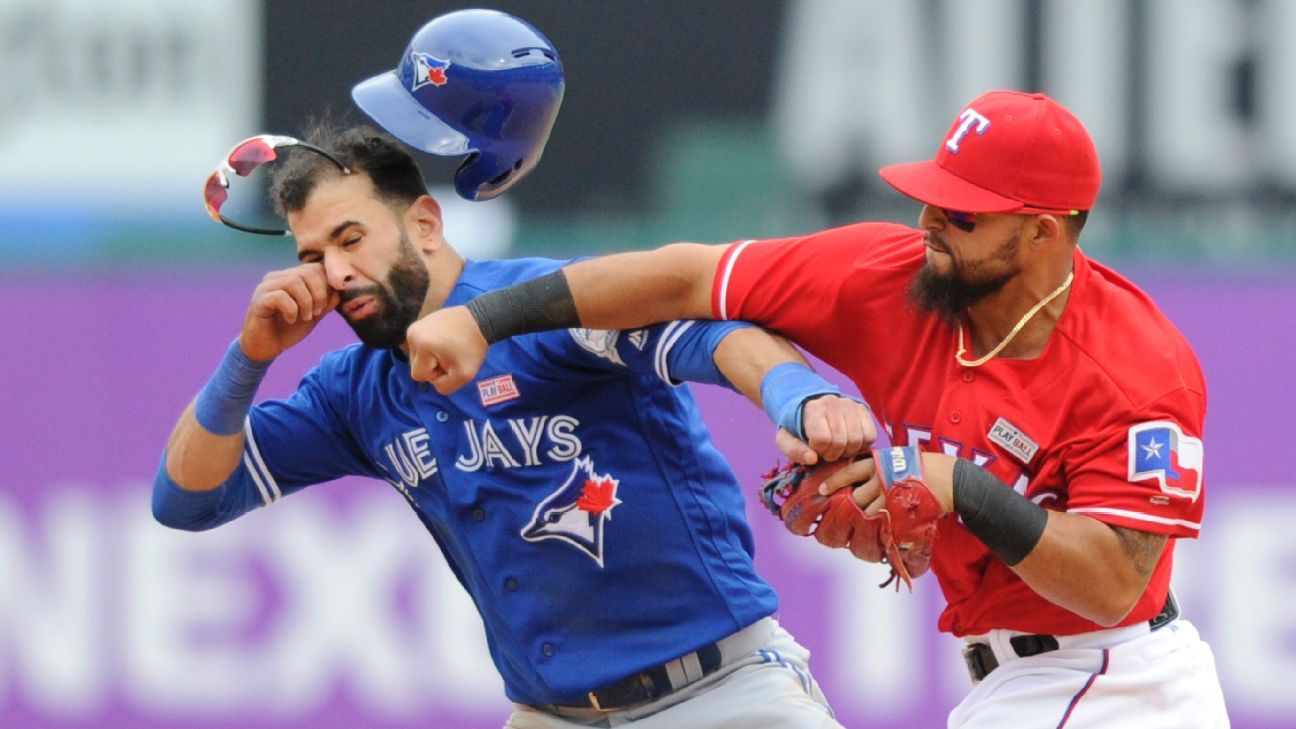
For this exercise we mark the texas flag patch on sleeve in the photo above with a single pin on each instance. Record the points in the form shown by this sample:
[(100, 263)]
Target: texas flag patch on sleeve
[(1160, 451)]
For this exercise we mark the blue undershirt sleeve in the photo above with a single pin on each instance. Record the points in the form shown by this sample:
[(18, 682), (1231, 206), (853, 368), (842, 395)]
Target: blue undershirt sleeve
[(194, 511), (289, 444), (691, 356)]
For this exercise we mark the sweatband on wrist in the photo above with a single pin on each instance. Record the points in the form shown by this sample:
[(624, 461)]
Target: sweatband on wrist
[(786, 389), (692, 355), (1005, 521), (538, 305), (226, 399)]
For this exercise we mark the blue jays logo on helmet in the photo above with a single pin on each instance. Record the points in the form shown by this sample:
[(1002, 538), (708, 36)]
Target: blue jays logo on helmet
[(474, 82), (428, 70), (577, 512)]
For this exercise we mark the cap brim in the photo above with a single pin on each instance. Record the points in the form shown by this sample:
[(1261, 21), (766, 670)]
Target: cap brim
[(386, 100), (928, 182)]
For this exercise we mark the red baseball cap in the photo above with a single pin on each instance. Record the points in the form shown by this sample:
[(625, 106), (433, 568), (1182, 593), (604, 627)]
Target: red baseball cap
[(1007, 151)]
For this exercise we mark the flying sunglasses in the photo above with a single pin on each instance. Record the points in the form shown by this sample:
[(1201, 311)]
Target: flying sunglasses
[(966, 222), (244, 159)]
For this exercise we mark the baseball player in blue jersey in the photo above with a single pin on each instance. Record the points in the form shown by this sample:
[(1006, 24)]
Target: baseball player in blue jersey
[(573, 488)]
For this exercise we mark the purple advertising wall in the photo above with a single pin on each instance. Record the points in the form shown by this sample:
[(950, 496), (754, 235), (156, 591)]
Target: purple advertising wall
[(334, 609)]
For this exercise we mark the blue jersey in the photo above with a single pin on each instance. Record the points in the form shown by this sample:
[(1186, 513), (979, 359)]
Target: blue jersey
[(572, 487)]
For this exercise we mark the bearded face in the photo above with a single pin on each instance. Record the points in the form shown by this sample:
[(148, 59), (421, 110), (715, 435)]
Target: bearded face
[(398, 300), (947, 291)]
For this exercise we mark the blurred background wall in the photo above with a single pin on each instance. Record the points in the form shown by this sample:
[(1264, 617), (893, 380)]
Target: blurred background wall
[(707, 120)]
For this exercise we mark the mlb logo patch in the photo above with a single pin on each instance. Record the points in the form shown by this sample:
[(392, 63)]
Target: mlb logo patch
[(497, 390), (1160, 451)]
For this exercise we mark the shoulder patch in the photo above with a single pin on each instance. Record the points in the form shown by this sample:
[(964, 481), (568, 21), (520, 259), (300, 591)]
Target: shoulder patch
[(1159, 451), (599, 342)]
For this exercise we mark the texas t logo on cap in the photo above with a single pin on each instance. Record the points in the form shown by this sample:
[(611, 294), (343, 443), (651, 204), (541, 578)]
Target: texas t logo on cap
[(970, 119), (1007, 152)]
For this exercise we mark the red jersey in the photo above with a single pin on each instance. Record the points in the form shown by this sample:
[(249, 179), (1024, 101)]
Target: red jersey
[(1106, 422)]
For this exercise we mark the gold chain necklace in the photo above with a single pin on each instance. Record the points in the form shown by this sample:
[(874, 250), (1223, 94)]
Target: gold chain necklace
[(958, 356)]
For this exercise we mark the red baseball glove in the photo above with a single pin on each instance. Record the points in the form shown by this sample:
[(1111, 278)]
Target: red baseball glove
[(901, 534)]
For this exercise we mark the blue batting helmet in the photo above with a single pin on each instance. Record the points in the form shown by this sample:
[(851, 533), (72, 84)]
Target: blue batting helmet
[(475, 82)]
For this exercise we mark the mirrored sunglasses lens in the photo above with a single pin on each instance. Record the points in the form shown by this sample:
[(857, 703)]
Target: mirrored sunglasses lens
[(250, 155), (214, 195)]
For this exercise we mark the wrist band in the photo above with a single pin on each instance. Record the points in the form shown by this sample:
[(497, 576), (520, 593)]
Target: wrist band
[(1005, 521), (786, 389), (537, 305), (226, 399)]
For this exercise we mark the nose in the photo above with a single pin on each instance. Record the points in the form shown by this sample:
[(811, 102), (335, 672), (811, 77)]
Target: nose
[(338, 270), (931, 218)]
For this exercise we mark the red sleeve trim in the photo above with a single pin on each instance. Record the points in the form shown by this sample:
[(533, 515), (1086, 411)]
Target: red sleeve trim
[(720, 286)]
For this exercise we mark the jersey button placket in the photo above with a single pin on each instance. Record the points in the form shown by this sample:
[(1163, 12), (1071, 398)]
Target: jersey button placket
[(511, 584), (959, 395), (479, 514), (548, 649)]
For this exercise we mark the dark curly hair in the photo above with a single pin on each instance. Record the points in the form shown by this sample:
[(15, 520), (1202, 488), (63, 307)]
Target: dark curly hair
[(362, 148)]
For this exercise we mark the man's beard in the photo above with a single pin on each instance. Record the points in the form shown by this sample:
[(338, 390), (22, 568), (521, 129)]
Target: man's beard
[(949, 294), (398, 300)]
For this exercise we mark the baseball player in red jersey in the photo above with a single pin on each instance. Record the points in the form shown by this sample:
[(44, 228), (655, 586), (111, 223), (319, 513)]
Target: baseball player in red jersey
[(1058, 413)]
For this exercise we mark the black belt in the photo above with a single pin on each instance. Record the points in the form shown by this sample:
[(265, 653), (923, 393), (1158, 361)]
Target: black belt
[(644, 687), (981, 659)]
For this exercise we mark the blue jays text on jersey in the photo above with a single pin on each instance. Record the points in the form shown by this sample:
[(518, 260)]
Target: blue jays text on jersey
[(572, 488)]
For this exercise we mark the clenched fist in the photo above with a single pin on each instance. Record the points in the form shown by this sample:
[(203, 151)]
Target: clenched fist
[(446, 348)]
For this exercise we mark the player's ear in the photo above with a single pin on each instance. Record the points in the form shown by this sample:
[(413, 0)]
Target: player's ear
[(1047, 230), (424, 217)]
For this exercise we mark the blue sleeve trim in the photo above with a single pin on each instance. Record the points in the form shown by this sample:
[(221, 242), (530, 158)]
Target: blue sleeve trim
[(688, 351)]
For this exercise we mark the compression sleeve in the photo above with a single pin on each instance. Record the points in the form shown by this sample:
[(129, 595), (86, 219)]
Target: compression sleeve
[(536, 305), (1005, 521)]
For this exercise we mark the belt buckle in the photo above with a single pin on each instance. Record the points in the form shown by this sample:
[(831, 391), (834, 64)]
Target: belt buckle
[(649, 693), (653, 683)]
